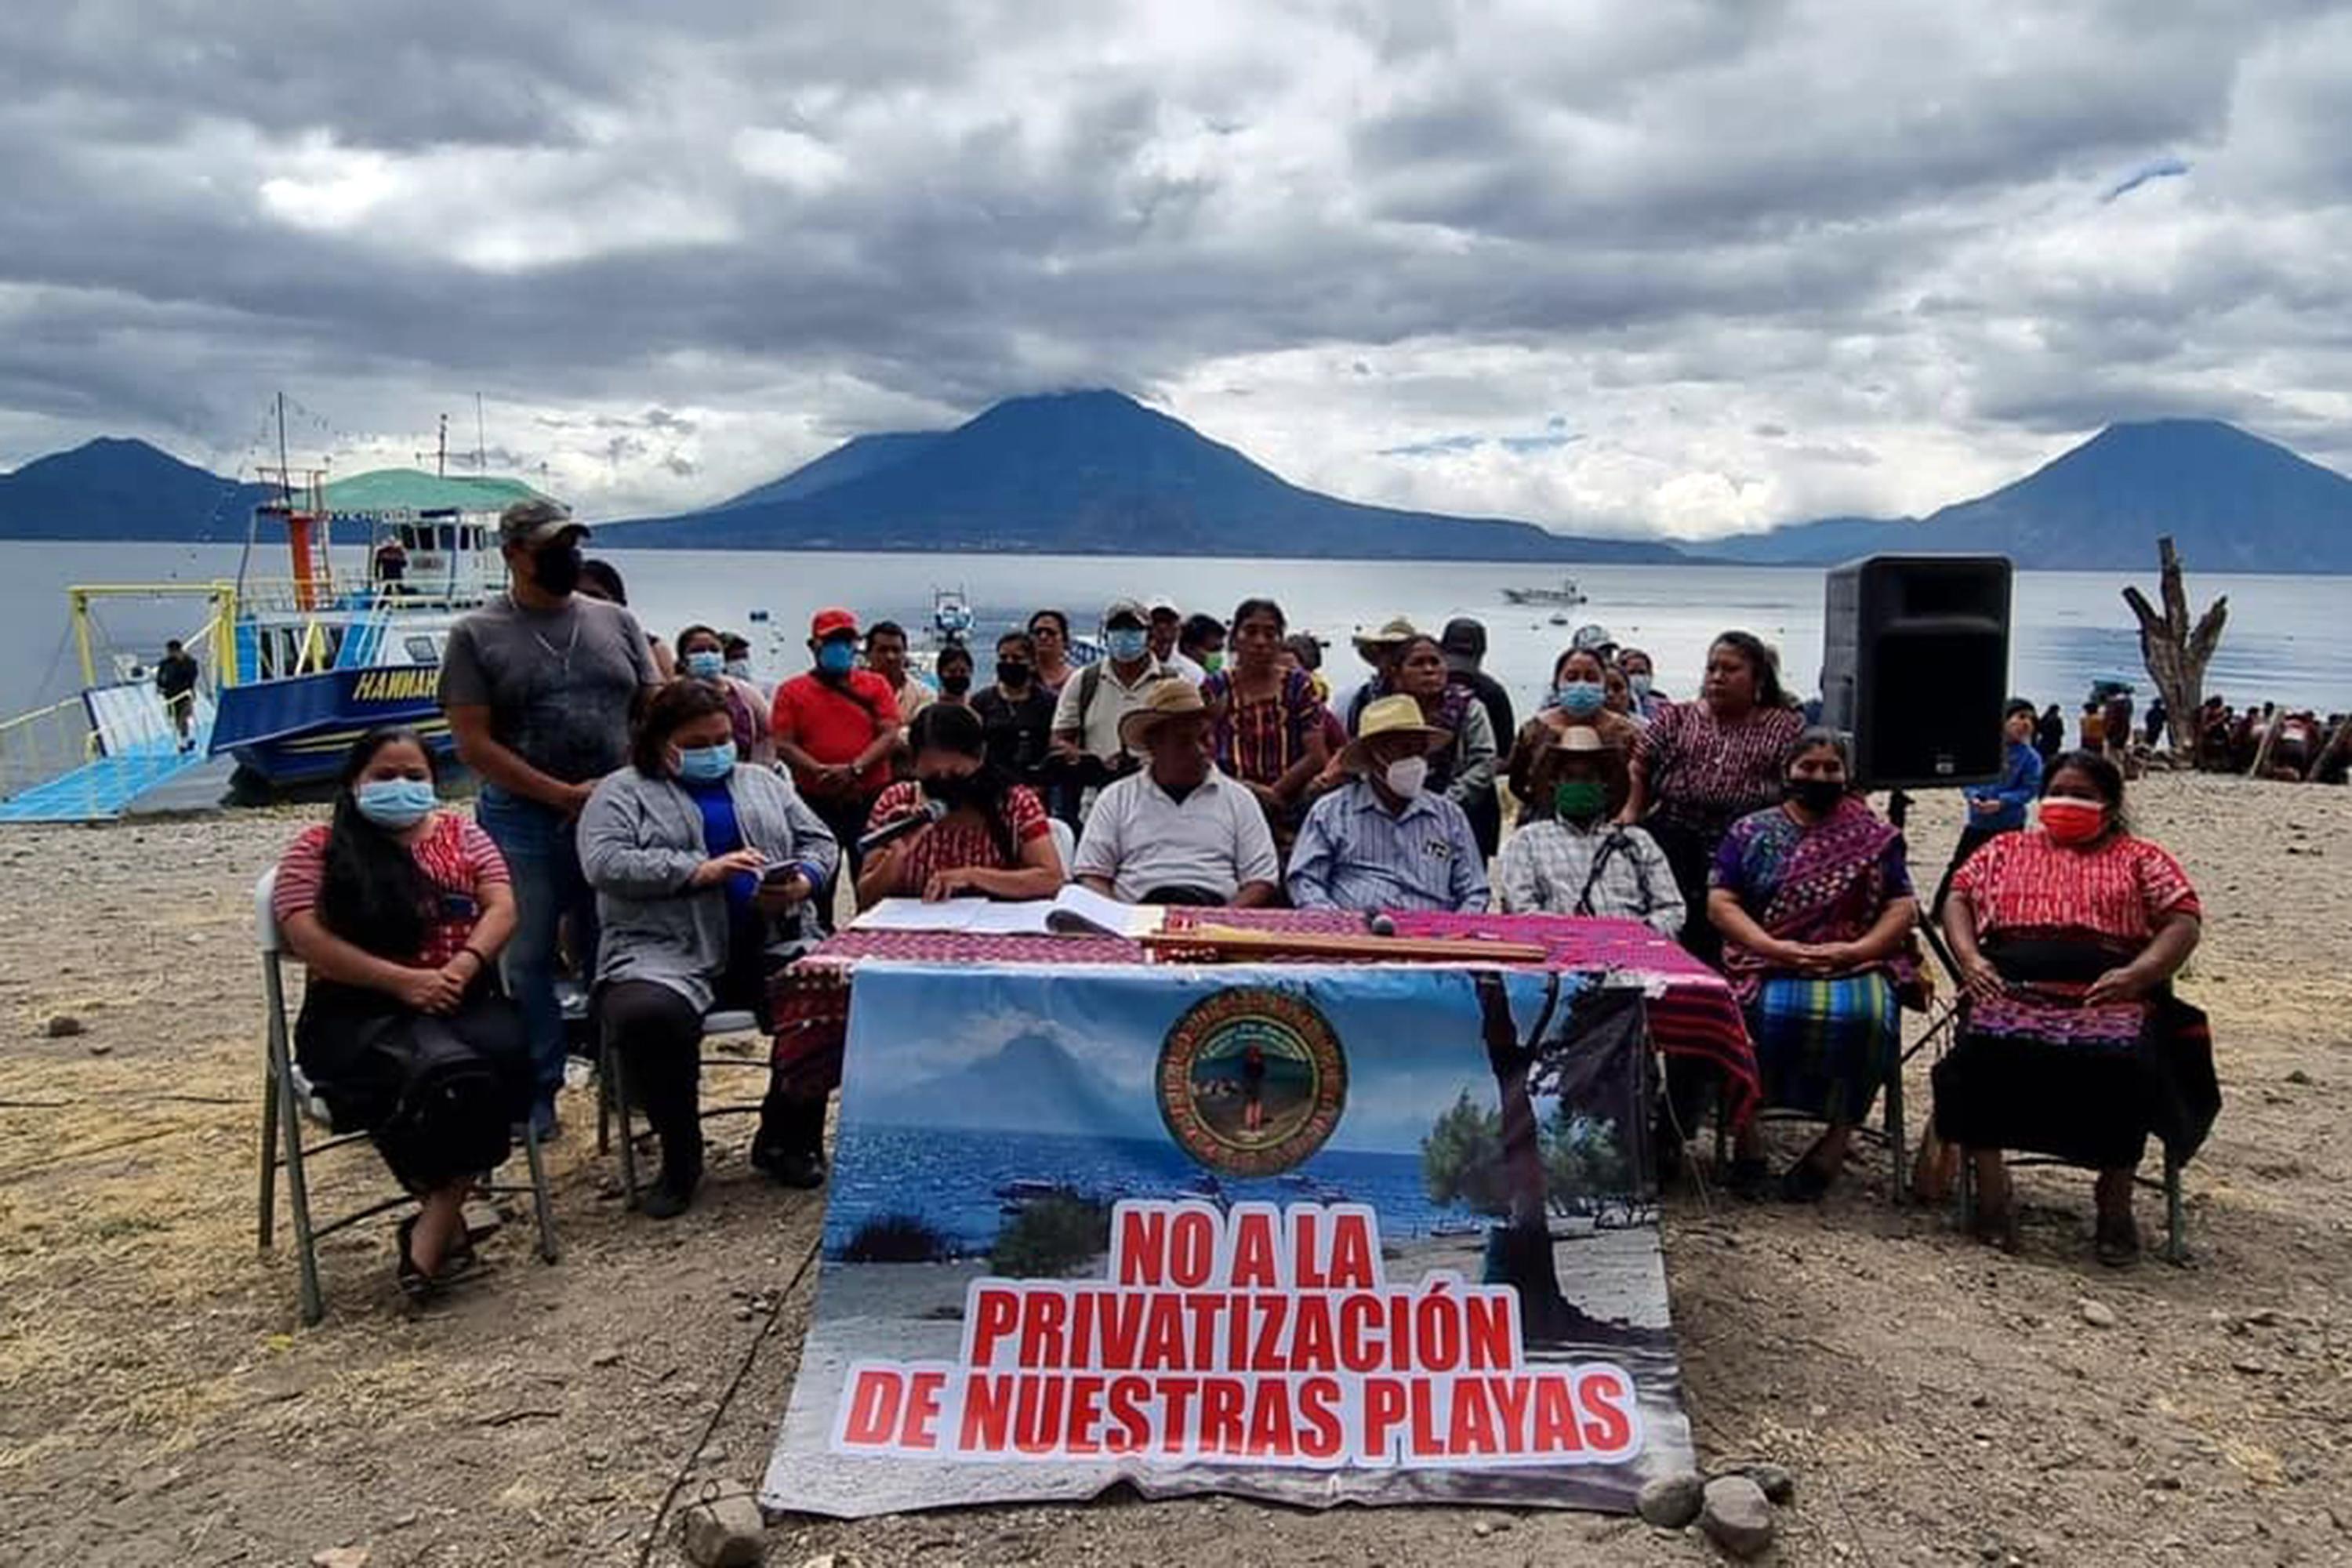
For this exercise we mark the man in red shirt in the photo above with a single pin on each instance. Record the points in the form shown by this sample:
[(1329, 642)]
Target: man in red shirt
[(834, 727)]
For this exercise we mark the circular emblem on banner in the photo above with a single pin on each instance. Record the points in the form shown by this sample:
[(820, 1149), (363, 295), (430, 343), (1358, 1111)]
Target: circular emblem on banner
[(1251, 1080)]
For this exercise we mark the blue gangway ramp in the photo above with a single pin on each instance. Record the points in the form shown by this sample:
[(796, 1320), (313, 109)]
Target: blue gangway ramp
[(134, 748)]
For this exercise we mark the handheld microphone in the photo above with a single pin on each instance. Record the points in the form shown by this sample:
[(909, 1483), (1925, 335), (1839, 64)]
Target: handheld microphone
[(1379, 924), (890, 832)]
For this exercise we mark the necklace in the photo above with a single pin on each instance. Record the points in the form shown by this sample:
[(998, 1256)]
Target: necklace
[(563, 659)]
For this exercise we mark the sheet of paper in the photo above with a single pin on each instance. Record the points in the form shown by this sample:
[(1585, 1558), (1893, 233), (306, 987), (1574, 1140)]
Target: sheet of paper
[(1109, 915), (913, 914)]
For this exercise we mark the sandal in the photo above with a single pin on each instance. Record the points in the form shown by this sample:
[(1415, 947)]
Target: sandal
[(2116, 1243), (415, 1283)]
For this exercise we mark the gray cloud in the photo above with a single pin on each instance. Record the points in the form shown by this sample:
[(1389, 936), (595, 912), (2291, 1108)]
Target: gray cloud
[(1763, 260)]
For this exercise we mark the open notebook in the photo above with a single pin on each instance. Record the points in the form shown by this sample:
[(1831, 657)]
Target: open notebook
[(1077, 912)]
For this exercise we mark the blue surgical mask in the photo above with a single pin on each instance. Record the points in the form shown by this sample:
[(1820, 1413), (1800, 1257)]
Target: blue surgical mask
[(705, 665), (836, 658), (1126, 644), (741, 668), (395, 803), (1639, 684), (1582, 698), (701, 764)]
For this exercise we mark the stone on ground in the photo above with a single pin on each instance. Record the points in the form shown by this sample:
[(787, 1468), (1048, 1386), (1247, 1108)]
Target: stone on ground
[(1672, 1501), (725, 1533), (1736, 1516)]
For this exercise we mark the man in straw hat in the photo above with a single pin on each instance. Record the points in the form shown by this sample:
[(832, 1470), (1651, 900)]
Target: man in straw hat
[(1579, 860), (1382, 648), (1178, 832), (1382, 841)]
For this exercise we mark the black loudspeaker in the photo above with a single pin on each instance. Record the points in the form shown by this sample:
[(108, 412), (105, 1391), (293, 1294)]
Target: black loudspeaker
[(1914, 666)]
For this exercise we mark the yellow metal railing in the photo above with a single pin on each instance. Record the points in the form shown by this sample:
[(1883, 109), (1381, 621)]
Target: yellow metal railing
[(38, 746)]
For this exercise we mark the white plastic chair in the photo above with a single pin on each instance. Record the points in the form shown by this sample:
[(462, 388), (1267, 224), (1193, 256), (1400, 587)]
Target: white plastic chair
[(1066, 843), (287, 1100)]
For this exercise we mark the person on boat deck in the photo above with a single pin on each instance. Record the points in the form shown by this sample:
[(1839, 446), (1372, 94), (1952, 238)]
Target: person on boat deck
[(1997, 808), (1017, 712), (2070, 1042), (602, 579), (177, 673), (992, 837), (886, 656), (1463, 643), (702, 656), (1580, 696), (1202, 643), (1641, 677), (1176, 832), (1813, 899), (1701, 766), (1267, 735), (1094, 704), (537, 685), (954, 671), (835, 726), (696, 857), (398, 909), (1384, 841), (1578, 860), (1049, 634), (1164, 626), (391, 564)]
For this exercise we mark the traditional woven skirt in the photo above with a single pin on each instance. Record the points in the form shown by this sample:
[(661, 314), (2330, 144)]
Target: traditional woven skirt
[(2038, 1072), (1823, 1046)]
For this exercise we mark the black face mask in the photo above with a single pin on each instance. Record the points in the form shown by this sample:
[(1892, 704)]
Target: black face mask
[(1016, 676), (555, 568), (951, 790), (1820, 797), (956, 685)]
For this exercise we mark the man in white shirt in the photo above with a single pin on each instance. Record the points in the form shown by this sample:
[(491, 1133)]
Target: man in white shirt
[(1166, 625), (1093, 701), (1179, 832)]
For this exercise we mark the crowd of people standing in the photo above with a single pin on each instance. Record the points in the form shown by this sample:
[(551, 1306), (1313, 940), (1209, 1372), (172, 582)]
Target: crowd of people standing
[(658, 824)]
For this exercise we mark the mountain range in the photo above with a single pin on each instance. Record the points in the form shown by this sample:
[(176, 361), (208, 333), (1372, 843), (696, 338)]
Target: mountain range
[(1098, 473)]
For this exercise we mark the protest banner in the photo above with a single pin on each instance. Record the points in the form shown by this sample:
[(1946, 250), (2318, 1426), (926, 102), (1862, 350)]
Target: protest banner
[(1319, 1235)]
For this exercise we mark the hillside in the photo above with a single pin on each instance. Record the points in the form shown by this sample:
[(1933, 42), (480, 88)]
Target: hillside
[(113, 489), (2234, 501), (1091, 473)]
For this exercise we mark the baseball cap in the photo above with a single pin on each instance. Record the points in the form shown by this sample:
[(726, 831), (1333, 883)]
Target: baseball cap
[(537, 521), (1591, 639), (1464, 638), (1131, 609), (1161, 605), (833, 623)]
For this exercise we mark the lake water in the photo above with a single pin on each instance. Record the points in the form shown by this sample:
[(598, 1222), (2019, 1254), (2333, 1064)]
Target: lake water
[(2289, 641)]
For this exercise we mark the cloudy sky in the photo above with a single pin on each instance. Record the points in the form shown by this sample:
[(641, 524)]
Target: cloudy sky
[(1662, 267)]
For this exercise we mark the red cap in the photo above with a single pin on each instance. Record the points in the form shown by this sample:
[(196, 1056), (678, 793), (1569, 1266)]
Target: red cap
[(833, 623)]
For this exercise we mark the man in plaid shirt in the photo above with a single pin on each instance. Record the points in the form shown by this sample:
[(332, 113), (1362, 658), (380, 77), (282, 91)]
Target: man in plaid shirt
[(1581, 860)]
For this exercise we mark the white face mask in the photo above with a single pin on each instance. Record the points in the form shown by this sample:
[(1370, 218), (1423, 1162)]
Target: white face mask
[(1406, 775)]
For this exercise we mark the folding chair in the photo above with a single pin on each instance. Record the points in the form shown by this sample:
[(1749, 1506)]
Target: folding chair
[(287, 1100), (612, 1077), (1065, 841), (1890, 1093)]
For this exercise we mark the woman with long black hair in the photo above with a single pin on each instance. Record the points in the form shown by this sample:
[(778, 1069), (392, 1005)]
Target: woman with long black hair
[(398, 909), (989, 837)]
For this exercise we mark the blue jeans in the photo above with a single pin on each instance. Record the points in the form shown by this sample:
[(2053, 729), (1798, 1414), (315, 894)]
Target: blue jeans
[(542, 854)]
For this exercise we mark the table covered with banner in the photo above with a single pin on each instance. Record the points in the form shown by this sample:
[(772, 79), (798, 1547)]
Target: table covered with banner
[(1318, 1232)]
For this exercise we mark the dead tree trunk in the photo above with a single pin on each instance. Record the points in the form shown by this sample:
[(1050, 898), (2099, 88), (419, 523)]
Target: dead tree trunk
[(2175, 652)]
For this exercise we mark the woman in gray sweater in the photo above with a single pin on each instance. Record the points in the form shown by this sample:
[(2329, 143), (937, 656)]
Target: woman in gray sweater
[(694, 860)]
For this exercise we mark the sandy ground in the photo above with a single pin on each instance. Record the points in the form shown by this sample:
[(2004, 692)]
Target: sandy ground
[(1938, 1402)]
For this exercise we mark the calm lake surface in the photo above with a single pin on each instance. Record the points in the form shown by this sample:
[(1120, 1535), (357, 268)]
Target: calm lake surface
[(2289, 639)]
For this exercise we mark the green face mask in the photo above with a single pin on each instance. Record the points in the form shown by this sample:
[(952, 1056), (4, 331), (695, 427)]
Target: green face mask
[(1578, 800)]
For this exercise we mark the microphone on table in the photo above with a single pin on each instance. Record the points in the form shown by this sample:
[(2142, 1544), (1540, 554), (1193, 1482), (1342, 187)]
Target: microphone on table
[(891, 831), (1379, 924)]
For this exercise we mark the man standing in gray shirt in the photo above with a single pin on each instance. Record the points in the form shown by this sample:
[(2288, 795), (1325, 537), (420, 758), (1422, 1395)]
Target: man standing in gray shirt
[(539, 685)]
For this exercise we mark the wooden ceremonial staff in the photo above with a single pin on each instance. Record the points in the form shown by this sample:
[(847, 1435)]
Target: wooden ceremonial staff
[(1219, 943)]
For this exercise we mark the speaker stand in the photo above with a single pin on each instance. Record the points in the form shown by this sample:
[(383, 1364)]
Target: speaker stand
[(1898, 812)]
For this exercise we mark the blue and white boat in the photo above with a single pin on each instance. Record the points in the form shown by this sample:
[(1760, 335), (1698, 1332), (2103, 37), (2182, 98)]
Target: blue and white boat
[(343, 645)]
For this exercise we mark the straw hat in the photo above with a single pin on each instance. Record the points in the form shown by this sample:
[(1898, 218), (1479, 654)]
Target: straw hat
[(1398, 715), (1391, 634), (1173, 698)]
